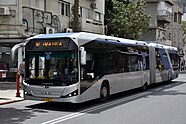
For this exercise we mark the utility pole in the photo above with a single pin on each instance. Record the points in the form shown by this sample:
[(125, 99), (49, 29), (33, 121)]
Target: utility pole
[(44, 5)]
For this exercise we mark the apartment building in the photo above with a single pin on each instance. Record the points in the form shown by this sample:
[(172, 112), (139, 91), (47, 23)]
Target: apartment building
[(183, 4), (165, 23), (20, 19)]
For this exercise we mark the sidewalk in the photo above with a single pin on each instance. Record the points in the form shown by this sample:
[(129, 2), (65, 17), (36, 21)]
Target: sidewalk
[(8, 92)]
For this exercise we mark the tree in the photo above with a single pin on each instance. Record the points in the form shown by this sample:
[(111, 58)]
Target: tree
[(183, 24), (127, 18)]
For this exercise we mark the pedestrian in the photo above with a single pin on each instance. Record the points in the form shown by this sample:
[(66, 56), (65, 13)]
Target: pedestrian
[(22, 70), (182, 65)]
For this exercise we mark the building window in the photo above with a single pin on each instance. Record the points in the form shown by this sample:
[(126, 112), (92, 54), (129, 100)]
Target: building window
[(179, 17), (184, 8), (169, 36), (97, 16), (86, 13), (158, 33), (8, 2), (175, 17), (39, 4), (80, 11), (163, 35), (65, 9)]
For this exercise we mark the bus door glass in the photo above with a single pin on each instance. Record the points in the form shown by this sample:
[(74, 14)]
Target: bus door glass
[(164, 58), (174, 59)]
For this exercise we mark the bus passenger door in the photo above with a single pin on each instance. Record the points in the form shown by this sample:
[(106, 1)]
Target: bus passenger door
[(163, 65), (135, 75)]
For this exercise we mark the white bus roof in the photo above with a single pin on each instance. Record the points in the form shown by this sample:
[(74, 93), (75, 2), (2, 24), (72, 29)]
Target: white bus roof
[(163, 46), (83, 37)]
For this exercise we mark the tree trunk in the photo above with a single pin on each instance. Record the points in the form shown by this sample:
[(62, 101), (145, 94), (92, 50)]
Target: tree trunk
[(76, 16)]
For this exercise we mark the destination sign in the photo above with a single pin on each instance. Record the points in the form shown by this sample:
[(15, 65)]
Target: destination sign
[(49, 43)]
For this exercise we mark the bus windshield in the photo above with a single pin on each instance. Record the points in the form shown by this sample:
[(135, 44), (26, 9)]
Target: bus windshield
[(56, 66), (174, 60)]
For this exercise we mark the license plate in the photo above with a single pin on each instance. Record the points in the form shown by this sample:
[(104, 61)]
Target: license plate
[(47, 99)]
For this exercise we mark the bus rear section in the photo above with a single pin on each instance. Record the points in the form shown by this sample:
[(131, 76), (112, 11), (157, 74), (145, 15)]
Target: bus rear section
[(163, 66)]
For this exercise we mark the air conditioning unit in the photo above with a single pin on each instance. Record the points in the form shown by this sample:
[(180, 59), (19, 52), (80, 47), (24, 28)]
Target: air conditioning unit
[(68, 30), (71, 23), (4, 10), (93, 5), (49, 30)]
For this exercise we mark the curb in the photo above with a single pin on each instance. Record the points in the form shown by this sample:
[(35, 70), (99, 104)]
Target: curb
[(10, 101), (182, 72)]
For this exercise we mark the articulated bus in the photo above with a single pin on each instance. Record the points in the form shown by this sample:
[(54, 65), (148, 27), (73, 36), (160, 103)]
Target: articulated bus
[(78, 67)]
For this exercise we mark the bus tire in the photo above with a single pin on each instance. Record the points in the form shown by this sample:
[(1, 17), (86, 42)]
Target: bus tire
[(104, 92), (144, 87)]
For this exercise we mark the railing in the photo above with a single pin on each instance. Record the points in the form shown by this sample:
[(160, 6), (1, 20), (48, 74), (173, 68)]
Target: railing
[(169, 1), (152, 0), (164, 15), (164, 12), (91, 25)]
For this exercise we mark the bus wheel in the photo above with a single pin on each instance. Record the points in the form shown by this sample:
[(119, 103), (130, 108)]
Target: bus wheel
[(144, 87), (104, 92)]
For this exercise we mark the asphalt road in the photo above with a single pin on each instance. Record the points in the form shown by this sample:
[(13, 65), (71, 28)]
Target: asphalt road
[(161, 104)]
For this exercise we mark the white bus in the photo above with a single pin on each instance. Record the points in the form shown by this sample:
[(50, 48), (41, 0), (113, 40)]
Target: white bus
[(78, 67)]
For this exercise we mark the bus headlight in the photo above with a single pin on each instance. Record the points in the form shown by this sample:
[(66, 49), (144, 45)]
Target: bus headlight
[(26, 93), (74, 93)]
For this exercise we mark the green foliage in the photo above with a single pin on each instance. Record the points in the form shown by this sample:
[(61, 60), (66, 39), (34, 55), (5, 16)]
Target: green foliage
[(183, 24), (127, 18)]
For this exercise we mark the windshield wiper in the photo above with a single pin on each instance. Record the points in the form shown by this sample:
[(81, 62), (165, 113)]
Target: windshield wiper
[(63, 80)]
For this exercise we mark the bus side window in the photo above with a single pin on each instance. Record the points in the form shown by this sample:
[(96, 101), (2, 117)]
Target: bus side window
[(88, 70)]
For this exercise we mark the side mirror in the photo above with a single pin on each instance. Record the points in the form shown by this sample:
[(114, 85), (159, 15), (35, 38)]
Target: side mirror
[(83, 56), (15, 48)]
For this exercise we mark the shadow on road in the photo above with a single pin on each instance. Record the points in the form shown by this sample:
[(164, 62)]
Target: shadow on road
[(160, 89), (15, 116), (165, 89)]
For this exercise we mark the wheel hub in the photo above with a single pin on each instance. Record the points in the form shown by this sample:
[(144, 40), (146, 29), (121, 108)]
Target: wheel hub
[(104, 91)]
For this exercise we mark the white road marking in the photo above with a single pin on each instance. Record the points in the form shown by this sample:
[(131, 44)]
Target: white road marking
[(76, 114)]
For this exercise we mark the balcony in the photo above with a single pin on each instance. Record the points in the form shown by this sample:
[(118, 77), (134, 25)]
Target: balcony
[(148, 1), (171, 2), (90, 25), (11, 31), (164, 16)]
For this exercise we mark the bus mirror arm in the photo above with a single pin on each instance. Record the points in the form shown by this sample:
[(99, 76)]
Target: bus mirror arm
[(83, 55), (15, 48)]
